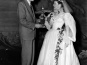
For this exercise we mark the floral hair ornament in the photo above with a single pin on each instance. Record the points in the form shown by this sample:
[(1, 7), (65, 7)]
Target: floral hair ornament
[(60, 0)]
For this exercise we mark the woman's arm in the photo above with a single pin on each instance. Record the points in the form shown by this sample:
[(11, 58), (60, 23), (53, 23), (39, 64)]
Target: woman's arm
[(47, 21), (47, 25), (68, 31)]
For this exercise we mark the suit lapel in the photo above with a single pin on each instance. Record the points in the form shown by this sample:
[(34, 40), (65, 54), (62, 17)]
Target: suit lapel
[(33, 12), (29, 10)]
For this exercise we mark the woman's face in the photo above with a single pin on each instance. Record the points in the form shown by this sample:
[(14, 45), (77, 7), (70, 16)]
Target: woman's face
[(56, 5)]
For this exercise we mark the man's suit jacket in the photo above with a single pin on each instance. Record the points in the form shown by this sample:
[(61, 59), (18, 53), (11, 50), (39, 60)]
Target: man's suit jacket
[(27, 21)]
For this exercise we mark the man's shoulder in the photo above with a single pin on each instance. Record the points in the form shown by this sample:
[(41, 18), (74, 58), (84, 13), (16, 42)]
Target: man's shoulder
[(21, 3)]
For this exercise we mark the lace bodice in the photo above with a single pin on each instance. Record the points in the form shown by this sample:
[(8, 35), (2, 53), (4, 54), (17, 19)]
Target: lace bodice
[(57, 21)]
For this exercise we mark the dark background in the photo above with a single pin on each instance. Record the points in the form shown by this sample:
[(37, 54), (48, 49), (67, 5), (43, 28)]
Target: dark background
[(10, 47)]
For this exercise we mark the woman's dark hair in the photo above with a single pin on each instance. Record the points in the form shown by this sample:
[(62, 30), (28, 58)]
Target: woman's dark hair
[(59, 2)]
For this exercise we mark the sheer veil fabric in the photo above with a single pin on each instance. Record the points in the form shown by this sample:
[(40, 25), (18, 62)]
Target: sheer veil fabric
[(66, 5)]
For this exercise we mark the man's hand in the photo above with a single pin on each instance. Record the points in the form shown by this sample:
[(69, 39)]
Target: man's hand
[(38, 26), (37, 20)]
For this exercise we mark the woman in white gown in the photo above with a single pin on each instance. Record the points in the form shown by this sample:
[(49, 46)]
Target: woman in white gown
[(57, 48)]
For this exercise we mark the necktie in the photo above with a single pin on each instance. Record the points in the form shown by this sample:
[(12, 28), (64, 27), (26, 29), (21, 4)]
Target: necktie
[(32, 11), (31, 8)]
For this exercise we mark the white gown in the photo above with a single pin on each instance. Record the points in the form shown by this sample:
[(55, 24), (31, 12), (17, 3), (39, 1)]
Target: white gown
[(54, 50)]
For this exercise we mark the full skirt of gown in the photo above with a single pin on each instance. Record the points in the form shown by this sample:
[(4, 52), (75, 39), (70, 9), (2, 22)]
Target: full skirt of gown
[(55, 52)]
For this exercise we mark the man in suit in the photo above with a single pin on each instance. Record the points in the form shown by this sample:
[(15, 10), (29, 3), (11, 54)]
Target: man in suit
[(26, 31)]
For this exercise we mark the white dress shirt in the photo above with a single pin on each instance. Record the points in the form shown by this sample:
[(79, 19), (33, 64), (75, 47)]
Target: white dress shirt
[(29, 2)]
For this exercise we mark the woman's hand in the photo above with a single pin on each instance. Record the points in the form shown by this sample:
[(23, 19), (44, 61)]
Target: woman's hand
[(66, 40), (66, 44)]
